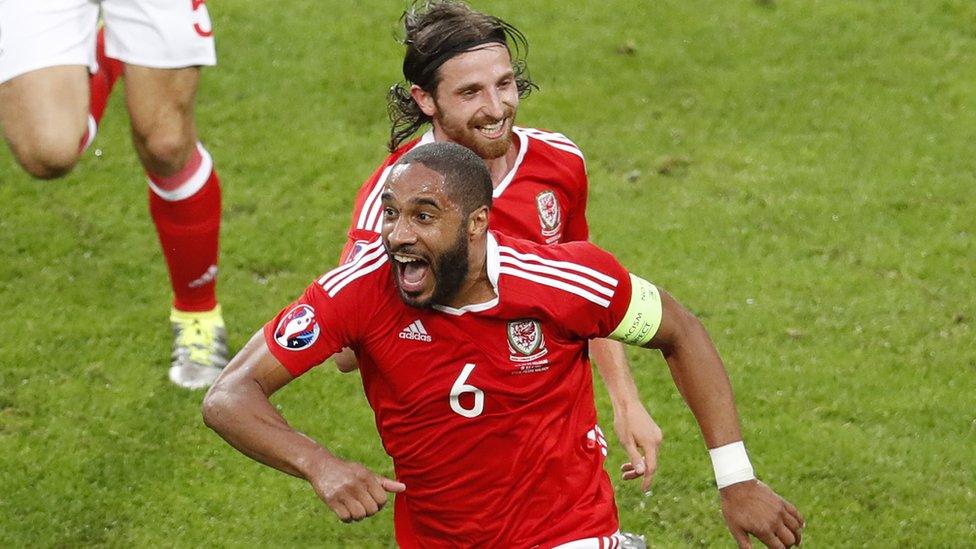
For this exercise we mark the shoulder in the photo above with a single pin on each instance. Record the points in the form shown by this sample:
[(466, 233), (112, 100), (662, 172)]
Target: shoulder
[(560, 271), (359, 277), (551, 144), (366, 212), (392, 158), (405, 148)]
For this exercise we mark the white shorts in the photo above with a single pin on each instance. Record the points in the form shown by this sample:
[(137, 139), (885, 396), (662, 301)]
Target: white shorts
[(161, 34)]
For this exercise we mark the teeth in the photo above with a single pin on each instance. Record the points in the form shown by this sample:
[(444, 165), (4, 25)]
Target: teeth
[(404, 259), (492, 127)]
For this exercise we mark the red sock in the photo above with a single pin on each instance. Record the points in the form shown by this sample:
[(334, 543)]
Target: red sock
[(186, 210), (100, 87)]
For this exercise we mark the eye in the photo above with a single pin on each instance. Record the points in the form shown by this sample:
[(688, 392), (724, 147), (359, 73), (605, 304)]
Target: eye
[(424, 217), (389, 213)]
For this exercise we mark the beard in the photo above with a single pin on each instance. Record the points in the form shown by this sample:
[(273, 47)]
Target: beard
[(450, 270), (467, 135)]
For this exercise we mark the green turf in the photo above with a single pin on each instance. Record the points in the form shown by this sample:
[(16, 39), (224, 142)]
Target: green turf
[(799, 173)]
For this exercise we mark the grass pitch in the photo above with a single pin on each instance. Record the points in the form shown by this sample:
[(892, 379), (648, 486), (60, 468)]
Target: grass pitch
[(799, 173)]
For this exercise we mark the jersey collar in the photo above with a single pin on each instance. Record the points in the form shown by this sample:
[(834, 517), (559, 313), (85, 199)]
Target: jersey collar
[(523, 145), (492, 263)]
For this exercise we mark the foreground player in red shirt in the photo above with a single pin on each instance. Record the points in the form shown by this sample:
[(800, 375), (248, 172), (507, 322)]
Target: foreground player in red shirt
[(472, 347), (462, 81)]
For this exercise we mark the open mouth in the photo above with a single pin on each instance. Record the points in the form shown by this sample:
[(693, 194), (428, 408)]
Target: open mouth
[(412, 272), (494, 130)]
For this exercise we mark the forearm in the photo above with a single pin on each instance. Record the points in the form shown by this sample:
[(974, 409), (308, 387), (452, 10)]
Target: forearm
[(611, 363), (701, 378), (238, 409), (247, 420)]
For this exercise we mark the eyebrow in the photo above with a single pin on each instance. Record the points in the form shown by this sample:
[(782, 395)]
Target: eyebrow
[(426, 202), (422, 201)]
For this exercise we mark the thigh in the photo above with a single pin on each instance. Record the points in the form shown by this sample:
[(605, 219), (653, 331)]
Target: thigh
[(45, 111), (161, 34), (36, 34), (160, 103)]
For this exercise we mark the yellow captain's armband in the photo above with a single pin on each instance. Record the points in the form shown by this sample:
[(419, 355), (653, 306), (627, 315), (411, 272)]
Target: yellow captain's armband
[(643, 316)]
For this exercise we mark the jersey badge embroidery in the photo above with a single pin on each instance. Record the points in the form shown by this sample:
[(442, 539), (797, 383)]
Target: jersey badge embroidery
[(526, 345), (416, 332), (549, 213), (298, 329)]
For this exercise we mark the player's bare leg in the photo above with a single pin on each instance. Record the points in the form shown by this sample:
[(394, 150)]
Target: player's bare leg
[(50, 115), (44, 115), (184, 200)]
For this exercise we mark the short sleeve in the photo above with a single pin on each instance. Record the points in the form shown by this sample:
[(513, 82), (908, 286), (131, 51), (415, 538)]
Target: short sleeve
[(309, 330), (591, 289)]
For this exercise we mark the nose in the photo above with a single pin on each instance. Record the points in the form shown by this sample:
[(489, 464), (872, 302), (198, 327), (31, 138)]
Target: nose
[(495, 105), (401, 234)]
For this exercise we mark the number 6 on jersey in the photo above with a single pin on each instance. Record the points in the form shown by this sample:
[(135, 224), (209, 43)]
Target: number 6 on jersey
[(460, 387)]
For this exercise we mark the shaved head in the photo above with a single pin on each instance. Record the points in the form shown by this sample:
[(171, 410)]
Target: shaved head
[(466, 178)]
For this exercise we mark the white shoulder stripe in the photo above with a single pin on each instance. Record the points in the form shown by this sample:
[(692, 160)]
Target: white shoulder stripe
[(552, 282), (567, 148), (358, 274), (570, 277), (557, 141), (371, 207), (366, 257), (551, 137), (565, 265), (352, 264)]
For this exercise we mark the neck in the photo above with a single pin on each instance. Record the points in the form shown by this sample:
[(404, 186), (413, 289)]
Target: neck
[(499, 167), (476, 287)]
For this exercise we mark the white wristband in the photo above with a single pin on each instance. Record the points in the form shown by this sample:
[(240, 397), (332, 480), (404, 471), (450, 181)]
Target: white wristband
[(731, 464)]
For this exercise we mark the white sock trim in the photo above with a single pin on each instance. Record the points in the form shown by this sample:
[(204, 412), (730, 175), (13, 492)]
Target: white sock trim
[(191, 185), (92, 130)]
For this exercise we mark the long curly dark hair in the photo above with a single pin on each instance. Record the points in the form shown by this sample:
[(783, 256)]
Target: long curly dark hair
[(434, 32)]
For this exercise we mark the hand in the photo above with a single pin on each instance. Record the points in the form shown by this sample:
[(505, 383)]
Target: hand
[(751, 507), (352, 491), (345, 360), (638, 433)]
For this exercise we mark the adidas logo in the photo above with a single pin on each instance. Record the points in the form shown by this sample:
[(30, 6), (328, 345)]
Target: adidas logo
[(416, 331), (209, 276)]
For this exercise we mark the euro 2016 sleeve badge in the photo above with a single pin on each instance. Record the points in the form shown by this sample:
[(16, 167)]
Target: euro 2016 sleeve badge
[(298, 329), (549, 214), (525, 341)]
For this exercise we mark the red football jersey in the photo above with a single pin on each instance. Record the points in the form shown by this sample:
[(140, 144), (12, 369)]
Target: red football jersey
[(487, 411), (542, 199)]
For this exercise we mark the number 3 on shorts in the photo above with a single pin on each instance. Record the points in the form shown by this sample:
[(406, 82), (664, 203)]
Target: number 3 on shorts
[(460, 387)]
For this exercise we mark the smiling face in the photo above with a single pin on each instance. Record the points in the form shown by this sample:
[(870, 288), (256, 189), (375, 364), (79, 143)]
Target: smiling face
[(475, 101), (425, 235)]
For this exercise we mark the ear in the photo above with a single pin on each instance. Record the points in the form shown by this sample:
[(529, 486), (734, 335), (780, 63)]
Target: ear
[(478, 222), (423, 100)]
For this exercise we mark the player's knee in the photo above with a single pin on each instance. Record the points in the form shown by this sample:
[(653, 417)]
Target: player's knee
[(49, 158), (166, 151)]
